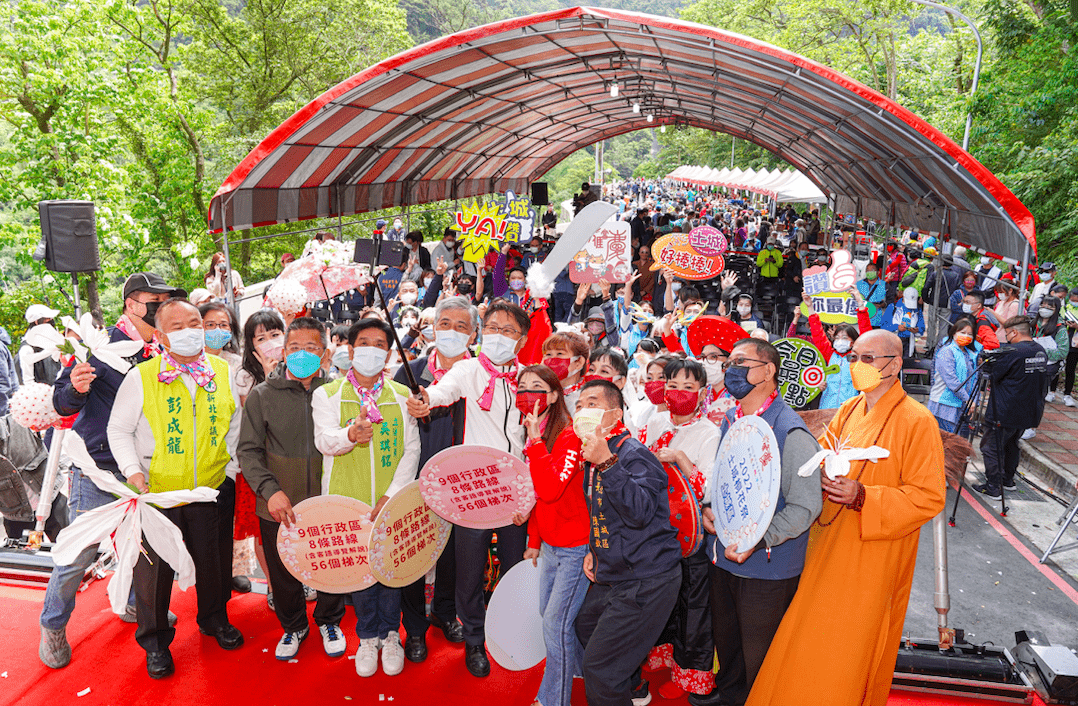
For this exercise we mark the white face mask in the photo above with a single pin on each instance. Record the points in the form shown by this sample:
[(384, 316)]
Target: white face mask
[(188, 341), (967, 308), (409, 322), (587, 421), (408, 297), (368, 361), (500, 349), (1044, 312), (451, 343), (1046, 277), (427, 281), (715, 373), (340, 358), (841, 345), (744, 310)]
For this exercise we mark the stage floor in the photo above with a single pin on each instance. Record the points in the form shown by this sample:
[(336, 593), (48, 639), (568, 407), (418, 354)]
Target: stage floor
[(995, 590)]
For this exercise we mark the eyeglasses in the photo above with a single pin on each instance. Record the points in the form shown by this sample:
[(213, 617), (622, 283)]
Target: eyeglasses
[(867, 357), (311, 348), (740, 363), (712, 358), (211, 325), (504, 330)]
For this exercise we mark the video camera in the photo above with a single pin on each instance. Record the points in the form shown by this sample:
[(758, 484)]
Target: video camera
[(988, 358)]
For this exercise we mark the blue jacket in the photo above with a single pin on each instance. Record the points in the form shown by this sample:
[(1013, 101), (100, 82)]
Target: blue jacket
[(9, 376), (631, 535), (95, 407)]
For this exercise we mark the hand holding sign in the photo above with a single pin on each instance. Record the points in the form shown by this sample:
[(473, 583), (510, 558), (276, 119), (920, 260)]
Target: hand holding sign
[(842, 274)]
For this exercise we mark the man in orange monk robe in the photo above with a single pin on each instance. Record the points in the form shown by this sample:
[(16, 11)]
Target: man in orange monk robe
[(839, 639)]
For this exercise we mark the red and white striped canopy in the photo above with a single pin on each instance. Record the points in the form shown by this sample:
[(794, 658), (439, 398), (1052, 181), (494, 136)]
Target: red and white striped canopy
[(492, 109)]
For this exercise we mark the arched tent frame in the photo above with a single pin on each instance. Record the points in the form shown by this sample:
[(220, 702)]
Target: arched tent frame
[(493, 108)]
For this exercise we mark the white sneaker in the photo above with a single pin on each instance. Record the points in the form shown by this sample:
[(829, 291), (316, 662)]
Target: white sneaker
[(367, 657), (1050, 397), (309, 594), (1029, 434), (392, 654), (332, 640), (288, 645), (1069, 401)]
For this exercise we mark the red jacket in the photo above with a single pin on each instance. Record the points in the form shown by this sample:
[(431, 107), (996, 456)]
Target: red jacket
[(560, 517)]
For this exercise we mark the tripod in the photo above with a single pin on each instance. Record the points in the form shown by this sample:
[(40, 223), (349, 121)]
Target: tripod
[(971, 421)]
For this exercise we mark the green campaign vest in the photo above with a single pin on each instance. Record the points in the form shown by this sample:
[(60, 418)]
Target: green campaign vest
[(352, 473), (189, 441)]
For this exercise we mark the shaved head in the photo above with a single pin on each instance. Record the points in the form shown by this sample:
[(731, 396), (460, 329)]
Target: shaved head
[(880, 342)]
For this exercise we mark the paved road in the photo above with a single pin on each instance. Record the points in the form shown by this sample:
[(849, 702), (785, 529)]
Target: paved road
[(995, 590)]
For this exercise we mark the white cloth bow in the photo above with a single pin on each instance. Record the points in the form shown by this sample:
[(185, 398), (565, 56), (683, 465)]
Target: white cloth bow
[(118, 527), (94, 342)]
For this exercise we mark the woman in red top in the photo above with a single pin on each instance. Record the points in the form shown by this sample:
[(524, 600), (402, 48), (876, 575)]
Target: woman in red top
[(558, 529)]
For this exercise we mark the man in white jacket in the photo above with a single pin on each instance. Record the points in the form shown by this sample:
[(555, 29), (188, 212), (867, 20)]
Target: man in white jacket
[(488, 385), (370, 450)]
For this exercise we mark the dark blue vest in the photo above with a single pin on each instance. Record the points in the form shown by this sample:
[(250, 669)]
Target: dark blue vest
[(787, 559)]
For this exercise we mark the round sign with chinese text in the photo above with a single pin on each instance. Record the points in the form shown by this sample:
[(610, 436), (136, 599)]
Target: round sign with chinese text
[(327, 547), (745, 488), (477, 486), (801, 373), (407, 538)]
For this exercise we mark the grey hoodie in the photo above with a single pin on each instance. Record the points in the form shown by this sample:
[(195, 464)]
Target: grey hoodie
[(9, 376)]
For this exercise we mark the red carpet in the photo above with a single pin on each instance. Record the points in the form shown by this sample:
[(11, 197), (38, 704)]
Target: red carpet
[(106, 659)]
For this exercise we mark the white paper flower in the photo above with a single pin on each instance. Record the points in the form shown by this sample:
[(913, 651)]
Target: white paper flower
[(837, 462), (94, 342)]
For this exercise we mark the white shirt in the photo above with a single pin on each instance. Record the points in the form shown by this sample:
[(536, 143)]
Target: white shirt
[(698, 439), (130, 436), (499, 427)]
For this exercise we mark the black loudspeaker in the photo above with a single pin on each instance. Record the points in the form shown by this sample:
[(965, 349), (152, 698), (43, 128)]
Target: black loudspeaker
[(69, 233), (540, 197), (391, 252)]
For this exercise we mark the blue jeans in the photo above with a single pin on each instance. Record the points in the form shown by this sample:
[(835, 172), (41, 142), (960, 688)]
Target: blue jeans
[(562, 588), (945, 425), (65, 580), (378, 611)]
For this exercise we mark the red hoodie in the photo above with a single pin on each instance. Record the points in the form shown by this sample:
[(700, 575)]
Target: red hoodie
[(560, 517)]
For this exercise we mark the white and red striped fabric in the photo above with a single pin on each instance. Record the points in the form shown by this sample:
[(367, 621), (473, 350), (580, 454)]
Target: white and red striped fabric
[(493, 108)]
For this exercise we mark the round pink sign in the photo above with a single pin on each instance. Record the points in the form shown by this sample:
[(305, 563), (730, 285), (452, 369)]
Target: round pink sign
[(327, 547), (477, 486), (707, 241), (407, 538)]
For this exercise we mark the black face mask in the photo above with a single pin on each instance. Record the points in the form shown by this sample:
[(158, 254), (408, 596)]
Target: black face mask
[(150, 317), (464, 287)]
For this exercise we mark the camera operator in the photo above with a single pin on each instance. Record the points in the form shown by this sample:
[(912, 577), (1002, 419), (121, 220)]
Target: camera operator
[(1018, 375)]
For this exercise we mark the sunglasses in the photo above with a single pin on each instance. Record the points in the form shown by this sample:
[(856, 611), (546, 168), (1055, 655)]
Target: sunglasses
[(867, 357)]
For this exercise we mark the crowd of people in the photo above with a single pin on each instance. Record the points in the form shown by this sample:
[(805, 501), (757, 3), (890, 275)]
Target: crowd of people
[(605, 390)]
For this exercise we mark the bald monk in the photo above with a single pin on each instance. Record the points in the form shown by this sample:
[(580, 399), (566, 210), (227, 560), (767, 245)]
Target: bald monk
[(839, 639)]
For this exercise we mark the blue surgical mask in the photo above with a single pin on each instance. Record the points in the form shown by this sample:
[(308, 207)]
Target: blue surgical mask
[(737, 381), (428, 332), (340, 359), (302, 364), (217, 338)]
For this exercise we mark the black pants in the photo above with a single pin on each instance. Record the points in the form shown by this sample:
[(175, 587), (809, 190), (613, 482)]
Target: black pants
[(226, 514), (198, 522), (472, 549), (999, 447), (688, 630), (1068, 370), (617, 625), (414, 597), (745, 615), (288, 600)]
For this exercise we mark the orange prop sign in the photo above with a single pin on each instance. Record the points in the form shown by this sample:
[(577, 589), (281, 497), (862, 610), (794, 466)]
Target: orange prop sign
[(676, 253), (327, 546)]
